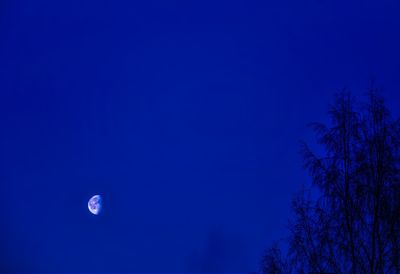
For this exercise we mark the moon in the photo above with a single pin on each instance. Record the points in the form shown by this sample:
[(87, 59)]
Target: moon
[(94, 204)]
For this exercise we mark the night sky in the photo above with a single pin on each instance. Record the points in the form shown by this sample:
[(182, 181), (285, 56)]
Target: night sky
[(185, 116)]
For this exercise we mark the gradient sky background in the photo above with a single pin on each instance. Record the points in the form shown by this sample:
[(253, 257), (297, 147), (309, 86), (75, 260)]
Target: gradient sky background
[(184, 115)]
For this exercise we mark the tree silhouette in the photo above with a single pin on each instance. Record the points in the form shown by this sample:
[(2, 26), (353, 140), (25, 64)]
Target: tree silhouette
[(350, 223)]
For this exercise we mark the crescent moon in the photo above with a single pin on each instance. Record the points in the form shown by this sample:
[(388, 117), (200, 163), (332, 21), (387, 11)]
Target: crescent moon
[(94, 204)]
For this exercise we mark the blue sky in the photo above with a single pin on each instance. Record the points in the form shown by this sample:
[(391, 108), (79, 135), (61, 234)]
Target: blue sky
[(186, 116)]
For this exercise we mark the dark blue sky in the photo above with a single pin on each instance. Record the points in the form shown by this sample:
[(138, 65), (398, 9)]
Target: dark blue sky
[(185, 116)]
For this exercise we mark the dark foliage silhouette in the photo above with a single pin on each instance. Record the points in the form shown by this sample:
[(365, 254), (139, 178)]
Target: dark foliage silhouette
[(348, 220)]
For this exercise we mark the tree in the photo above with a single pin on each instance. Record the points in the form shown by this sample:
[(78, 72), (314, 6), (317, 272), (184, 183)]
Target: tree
[(353, 224)]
